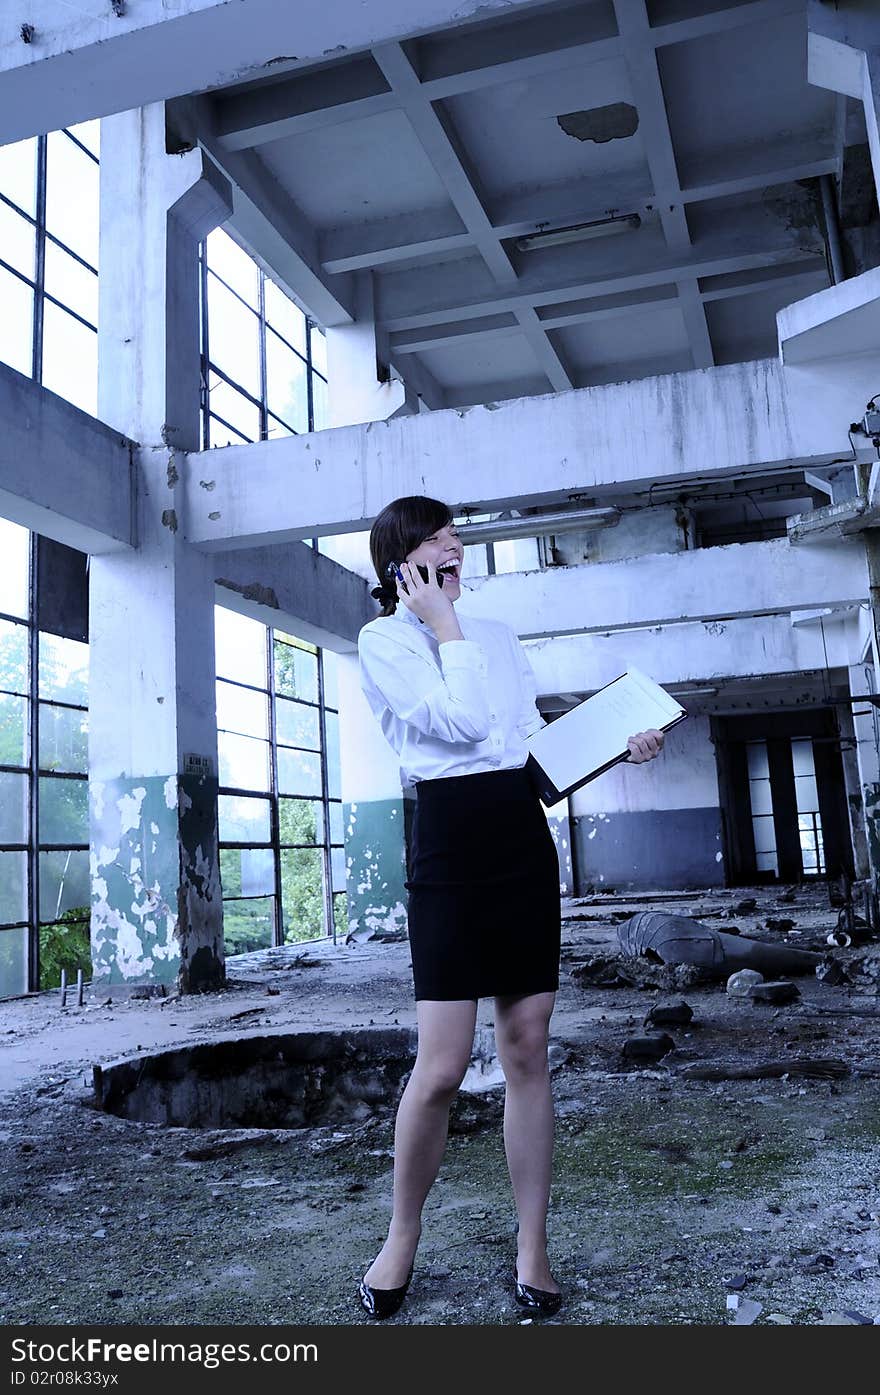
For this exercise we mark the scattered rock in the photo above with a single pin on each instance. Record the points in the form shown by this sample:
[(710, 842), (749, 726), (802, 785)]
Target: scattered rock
[(114, 1293), (648, 1048), (776, 993), (780, 924), (670, 1014), (747, 904), (736, 1283), (780, 1319), (831, 972), (747, 1309), (845, 1318), (818, 1264), (738, 984)]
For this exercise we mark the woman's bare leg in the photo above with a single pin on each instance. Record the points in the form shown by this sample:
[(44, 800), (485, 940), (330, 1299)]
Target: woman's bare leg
[(521, 1027), (446, 1036)]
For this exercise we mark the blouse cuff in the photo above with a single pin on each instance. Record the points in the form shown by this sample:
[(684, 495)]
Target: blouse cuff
[(462, 654)]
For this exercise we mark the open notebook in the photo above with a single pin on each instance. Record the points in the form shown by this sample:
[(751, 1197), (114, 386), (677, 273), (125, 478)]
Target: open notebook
[(592, 737)]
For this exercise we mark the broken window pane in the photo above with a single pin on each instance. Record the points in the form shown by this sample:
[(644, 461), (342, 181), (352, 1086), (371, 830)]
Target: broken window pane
[(300, 821), (64, 946), (302, 894), (248, 925), (64, 883), (247, 871)]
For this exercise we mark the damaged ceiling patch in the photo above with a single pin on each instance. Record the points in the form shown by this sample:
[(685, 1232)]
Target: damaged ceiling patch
[(601, 124)]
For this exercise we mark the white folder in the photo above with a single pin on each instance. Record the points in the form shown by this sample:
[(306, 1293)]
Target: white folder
[(592, 737)]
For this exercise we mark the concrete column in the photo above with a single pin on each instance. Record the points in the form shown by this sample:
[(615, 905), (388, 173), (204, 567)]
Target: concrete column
[(156, 905), (865, 803), (373, 811)]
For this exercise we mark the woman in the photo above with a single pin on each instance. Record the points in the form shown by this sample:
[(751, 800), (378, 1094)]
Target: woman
[(455, 697)]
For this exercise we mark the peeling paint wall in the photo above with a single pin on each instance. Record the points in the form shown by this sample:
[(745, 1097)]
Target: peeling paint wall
[(673, 848), (156, 907), (375, 863)]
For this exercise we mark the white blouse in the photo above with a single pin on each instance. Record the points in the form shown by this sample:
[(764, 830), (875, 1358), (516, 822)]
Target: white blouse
[(456, 708)]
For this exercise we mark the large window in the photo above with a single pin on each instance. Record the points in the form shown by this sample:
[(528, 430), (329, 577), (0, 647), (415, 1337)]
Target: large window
[(44, 862), (49, 261), (282, 862), (264, 363)]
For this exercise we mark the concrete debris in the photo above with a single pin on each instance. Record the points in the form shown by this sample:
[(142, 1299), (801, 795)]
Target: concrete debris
[(738, 984), (745, 1310), (777, 993), (847, 1318), (736, 1284), (677, 939), (747, 904), (648, 1048), (670, 1014), (831, 972), (781, 924), (818, 1264)]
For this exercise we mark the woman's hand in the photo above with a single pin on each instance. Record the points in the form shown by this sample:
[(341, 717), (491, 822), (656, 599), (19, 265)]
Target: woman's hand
[(426, 599), (645, 745)]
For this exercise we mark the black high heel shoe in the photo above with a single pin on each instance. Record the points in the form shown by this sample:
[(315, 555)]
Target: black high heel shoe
[(538, 1300), (381, 1303)]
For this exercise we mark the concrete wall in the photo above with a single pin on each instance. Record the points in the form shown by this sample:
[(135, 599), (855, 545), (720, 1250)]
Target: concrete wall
[(657, 824)]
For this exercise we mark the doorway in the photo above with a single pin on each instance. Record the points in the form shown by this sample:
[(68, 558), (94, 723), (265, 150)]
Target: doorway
[(783, 797)]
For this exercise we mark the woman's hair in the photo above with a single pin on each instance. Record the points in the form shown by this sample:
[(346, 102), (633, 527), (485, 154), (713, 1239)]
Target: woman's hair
[(398, 530)]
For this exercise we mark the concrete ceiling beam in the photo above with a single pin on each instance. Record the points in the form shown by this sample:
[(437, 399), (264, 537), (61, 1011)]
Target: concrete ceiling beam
[(63, 473), (85, 61), (707, 586), (685, 428), (410, 300)]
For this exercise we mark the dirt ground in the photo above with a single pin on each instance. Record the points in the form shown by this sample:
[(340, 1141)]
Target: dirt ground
[(675, 1200)]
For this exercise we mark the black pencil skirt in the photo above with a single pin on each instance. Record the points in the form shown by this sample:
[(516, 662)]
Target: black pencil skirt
[(484, 909)]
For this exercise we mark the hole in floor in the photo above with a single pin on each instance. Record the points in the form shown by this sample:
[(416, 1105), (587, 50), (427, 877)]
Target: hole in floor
[(285, 1081)]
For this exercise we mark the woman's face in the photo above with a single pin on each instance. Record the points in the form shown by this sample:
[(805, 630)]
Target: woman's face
[(445, 551)]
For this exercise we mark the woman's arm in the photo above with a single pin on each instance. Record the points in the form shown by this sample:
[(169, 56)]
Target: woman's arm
[(452, 705)]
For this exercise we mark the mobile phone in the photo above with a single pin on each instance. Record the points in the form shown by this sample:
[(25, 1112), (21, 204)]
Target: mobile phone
[(393, 567)]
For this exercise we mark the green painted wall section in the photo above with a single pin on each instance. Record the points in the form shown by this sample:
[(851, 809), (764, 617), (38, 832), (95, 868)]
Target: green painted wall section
[(375, 860), (156, 904)]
